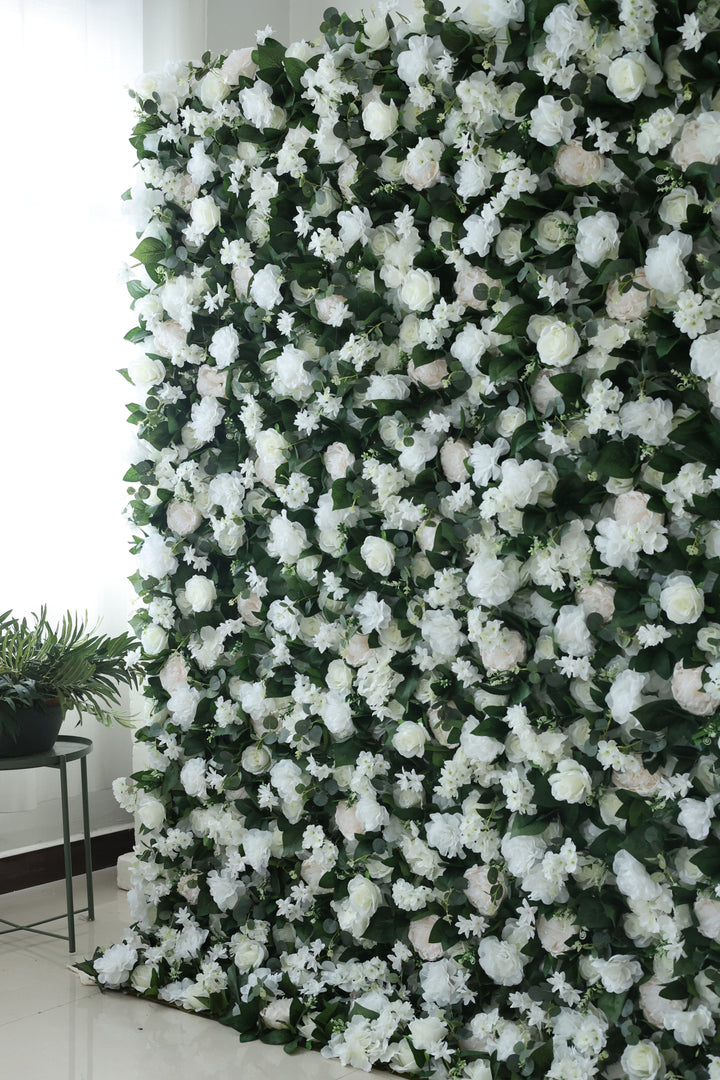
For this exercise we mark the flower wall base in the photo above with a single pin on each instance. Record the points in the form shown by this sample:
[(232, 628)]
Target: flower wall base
[(427, 517)]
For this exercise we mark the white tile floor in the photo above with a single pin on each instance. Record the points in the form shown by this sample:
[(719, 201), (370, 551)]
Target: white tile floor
[(54, 1028)]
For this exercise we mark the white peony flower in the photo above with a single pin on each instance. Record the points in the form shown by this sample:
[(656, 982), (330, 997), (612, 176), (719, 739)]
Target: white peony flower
[(501, 961)]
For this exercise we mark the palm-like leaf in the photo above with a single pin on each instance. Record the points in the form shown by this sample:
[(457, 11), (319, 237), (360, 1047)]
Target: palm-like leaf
[(81, 667)]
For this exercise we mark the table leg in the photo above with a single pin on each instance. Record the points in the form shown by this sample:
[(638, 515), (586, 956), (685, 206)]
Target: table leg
[(86, 831), (68, 854)]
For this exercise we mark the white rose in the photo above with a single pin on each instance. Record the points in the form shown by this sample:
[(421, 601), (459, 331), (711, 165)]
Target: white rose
[(146, 372), (248, 955), (355, 912), (509, 420), (681, 600), (205, 214), (501, 961), (417, 291), (375, 33), (256, 759), (338, 459), (378, 555), (554, 231), (627, 76), (141, 978), (150, 812), (154, 639), (212, 89), (571, 782), (558, 344), (618, 973), (200, 593), (409, 739), (642, 1061), (550, 123), (380, 120), (508, 245), (339, 676), (674, 207)]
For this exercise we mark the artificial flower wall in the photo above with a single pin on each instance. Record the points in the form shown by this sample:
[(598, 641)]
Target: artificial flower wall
[(427, 521)]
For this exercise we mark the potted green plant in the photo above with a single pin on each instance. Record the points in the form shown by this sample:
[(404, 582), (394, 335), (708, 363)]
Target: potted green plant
[(46, 671)]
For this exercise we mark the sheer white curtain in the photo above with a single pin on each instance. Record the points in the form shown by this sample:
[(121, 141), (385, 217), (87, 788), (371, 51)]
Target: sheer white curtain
[(63, 436)]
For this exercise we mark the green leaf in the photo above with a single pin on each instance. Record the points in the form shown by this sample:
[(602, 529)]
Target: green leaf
[(515, 321), (149, 251), (295, 69)]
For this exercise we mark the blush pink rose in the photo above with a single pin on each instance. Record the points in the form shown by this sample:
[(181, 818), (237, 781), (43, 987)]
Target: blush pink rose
[(347, 821), (599, 598), (633, 303), (578, 167), (239, 64), (169, 338), (421, 174), (656, 1009), (182, 517), (442, 735), (357, 651), (504, 654), (247, 607), (174, 673), (687, 689), (419, 934), (453, 454), (480, 892), (211, 382), (542, 391), (430, 375), (631, 509), (332, 310), (468, 277), (639, 781), (555, 933)]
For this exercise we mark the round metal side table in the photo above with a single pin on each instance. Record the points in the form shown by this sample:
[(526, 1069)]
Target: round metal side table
[(67, 748)]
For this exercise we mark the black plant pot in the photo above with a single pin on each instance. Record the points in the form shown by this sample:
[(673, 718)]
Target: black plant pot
[(37, 729)]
